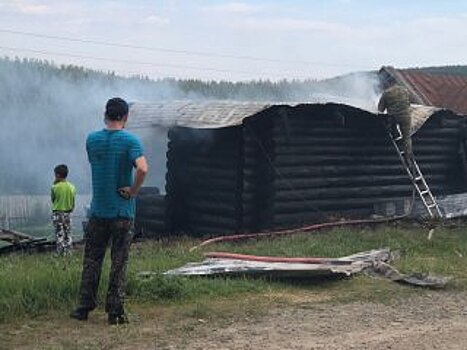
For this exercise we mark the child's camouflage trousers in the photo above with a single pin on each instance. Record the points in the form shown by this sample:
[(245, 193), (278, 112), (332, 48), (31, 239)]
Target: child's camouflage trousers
[(62, 225)]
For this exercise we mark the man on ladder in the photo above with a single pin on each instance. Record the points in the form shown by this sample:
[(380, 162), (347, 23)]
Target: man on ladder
[(396, 100)]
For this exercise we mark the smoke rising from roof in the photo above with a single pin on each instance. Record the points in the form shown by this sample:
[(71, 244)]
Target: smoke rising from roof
[(47, 113)]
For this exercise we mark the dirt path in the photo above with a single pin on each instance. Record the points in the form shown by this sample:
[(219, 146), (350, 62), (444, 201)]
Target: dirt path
[(429, 322), (436, 320)]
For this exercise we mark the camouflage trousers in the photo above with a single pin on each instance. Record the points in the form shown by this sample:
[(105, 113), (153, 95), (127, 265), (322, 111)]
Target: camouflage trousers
[(404, 125), (101, 233), (62, 225)]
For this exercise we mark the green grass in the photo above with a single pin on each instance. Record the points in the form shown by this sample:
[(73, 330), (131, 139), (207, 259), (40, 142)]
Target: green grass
[(38, 284)]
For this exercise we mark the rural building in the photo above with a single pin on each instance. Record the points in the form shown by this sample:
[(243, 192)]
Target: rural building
[(240, 167), (430, 89)]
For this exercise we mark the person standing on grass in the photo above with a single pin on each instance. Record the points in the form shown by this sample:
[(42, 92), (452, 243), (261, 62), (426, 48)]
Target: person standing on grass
[(63, 195), (113, 154)]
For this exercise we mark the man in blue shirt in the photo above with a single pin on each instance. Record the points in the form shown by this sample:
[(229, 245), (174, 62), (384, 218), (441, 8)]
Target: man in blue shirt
[(113, 154)]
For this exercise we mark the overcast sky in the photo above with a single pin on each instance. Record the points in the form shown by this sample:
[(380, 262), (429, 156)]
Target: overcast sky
[(237, 40)]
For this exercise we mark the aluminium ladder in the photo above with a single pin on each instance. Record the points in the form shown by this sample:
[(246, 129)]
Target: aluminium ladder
[(416, 176)]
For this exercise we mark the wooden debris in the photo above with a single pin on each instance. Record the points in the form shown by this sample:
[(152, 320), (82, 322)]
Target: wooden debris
[(20, 241)]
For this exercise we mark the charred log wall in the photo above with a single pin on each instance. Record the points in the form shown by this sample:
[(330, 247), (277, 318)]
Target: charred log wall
[(204, 180), (151, 216), (436, 148), (289, 166), (332, 160), (258, 173)]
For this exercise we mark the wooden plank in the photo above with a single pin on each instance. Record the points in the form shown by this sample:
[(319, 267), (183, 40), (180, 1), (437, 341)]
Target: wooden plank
[(12, 236)]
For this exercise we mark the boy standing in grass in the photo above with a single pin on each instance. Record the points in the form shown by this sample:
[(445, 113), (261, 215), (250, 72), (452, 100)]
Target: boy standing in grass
[(63, 195)]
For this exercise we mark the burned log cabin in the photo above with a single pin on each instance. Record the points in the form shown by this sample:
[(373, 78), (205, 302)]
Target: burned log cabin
[(242, 167)]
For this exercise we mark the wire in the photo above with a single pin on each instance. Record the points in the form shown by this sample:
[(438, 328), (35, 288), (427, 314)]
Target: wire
[(103, 59), (178, 51)]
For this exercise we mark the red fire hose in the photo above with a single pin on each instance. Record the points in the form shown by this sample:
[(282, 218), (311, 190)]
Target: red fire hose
[(310, 228), (274, 259)]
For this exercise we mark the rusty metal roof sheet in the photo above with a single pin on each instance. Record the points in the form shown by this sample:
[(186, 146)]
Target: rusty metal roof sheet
[(220, 114), (439, 90)]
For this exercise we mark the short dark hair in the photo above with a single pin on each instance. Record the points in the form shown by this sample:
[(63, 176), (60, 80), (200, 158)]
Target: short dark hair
[(116, 108), (61, 171)]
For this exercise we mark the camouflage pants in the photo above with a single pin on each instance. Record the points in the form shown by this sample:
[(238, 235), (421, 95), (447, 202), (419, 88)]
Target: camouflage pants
[(62, 225), (100, 233), (404, 125)]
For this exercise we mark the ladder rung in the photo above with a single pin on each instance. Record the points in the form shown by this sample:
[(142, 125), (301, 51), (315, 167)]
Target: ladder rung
[(432, 205), (424, 192), (418, 178)]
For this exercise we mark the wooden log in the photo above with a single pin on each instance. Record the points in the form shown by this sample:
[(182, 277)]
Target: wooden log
[(325, 133), (437, 132), (230, 152), (357, 141), (305, 130), (322, 205), (202, 230), (345, 170), (147, 210), (230, 164), (228, 158), (208, 184), (455, 122), (296, 219), (150, 200), (346, 192), (331, 182), (359, 151), (216, 195), (148, 230), (338, 160), (207, 219), (366, 133), (213, 173), (151, 222), (221, 208), (205, 191)]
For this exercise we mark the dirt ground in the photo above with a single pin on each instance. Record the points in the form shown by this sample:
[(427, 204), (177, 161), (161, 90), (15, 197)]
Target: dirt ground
[(429, 322), (433, 320)]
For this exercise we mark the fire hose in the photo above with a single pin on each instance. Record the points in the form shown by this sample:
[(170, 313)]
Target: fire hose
[(273, 259), (310, 228)]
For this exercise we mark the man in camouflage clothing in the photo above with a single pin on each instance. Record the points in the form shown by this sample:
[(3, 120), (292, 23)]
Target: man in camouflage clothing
[(113, 154), (63, 195), (396, 100)]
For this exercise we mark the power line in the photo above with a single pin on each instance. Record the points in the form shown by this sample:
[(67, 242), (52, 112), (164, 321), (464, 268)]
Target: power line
[(103, 59), (177, 51)]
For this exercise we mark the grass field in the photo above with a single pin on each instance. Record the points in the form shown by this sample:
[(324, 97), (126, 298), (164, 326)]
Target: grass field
[(33, 285)]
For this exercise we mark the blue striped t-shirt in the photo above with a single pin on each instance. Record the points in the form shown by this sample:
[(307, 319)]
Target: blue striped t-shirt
[(112, 155)]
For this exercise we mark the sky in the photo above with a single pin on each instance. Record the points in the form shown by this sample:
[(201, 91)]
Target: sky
[(236, 40)]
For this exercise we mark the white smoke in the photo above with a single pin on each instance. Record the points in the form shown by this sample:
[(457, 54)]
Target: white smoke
[(46, 116), (361, 90)]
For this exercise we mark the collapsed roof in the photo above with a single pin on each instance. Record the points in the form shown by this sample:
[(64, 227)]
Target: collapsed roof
[(220, 114)]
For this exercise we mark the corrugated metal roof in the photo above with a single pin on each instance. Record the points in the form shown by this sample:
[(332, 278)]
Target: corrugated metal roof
[(220, 114), (193, 114), (439, 90)]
